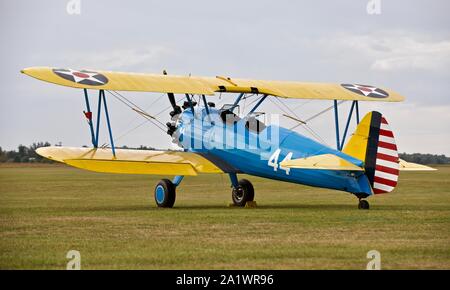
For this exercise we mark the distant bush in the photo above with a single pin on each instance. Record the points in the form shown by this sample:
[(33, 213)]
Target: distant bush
[(425, 158), (27, 154), (24, 154)]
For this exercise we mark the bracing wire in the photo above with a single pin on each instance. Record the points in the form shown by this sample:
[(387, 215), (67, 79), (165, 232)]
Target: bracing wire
[(137, 109), (146, 120), (324, 111), (318, 114), (307, 128), (302, 104), (131, 130), (147, 108)]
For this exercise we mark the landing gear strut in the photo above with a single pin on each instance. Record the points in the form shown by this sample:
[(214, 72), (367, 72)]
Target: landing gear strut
[(363, 204), (242, 193)]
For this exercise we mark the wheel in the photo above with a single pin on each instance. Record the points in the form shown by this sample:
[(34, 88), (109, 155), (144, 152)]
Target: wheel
[(165, 193), (363, 204), (243, 193)]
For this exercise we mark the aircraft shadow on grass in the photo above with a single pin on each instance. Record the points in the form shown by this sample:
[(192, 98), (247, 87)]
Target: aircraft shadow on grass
[(323, 207)]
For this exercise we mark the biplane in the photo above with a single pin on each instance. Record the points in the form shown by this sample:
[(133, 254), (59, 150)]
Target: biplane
[(221, 140)]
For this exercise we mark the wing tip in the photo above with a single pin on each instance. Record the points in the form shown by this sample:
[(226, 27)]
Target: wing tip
[(26, 70), (30, 71)]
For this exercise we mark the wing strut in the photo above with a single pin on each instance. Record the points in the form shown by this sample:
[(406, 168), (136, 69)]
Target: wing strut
[(349, 118), (176, 109), (336, 122), (340, 143), (258, 104), (88, 114), (102, 92)]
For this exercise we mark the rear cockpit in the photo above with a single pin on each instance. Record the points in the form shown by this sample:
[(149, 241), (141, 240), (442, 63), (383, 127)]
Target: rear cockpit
[(252, 123)]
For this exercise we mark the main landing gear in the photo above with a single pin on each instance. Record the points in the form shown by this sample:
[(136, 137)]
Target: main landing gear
[(165, 191), (242, 193)]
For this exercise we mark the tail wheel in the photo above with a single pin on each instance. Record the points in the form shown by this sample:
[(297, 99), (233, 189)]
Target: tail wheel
[(165, 193), (363, 204), (243, 193)]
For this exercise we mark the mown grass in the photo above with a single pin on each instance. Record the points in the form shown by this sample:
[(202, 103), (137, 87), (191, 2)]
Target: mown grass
[(45, 211)]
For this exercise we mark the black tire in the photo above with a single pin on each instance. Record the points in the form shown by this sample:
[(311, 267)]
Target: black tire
[(245, 192), (363, 204), (165, 193)]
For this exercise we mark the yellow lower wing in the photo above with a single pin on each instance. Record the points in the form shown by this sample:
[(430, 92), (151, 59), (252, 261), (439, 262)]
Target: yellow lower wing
[(323, 161), (131, 161)]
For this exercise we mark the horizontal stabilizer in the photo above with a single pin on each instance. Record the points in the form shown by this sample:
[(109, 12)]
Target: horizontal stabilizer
[(409, 166), (131, 161), (323, 161)]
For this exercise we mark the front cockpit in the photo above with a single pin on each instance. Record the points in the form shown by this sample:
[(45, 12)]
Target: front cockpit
[(201, 122)]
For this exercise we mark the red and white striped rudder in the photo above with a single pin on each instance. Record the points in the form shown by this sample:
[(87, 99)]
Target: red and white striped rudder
[(386, 164), (381, 160)]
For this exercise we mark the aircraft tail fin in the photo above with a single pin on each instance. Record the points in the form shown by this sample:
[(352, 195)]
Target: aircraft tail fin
[(373, 142)]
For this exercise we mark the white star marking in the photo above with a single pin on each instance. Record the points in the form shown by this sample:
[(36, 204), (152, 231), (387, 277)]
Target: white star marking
[(78, 79), (366, 90)]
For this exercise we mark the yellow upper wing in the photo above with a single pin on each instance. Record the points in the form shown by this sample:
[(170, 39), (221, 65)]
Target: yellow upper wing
[(131, 161), (121, 81)]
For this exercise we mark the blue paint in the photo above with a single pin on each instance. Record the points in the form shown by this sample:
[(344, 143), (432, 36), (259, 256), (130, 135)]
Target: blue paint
[(88, 108), (177, 180), (236, 102), (109, 124), (349, 118), (98, 118), (160, 193), (357, 112), (205, 104), (258, 104), (234, 180), (190, 103), (253, 160), (336, 121)]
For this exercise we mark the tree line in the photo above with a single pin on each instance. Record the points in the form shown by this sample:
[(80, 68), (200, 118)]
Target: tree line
[(425, 158), (26, 154)]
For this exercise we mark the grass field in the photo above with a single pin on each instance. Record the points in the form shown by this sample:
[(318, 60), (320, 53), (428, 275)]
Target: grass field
[(45, 211)]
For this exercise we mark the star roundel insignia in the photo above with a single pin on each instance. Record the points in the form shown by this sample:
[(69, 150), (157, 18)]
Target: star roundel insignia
[(83, 77), (367, 91)]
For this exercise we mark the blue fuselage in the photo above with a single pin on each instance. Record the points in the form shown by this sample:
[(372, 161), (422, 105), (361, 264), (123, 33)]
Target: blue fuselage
[(235, 148)]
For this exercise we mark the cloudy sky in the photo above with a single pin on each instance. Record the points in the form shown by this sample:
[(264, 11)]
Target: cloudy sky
[(406, 48)]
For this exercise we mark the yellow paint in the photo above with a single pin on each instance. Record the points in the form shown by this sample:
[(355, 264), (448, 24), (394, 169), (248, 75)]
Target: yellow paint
[(357, 145), (323, 161), (131, 161), (123, 81), (409, 166), (132, 167)]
